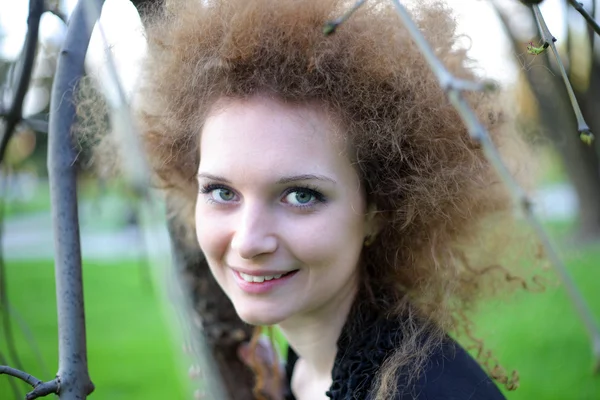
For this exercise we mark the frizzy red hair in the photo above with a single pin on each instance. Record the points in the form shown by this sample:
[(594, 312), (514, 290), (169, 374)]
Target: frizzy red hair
[(431, 184)]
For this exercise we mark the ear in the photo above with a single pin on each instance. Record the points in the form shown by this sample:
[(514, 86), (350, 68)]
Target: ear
[(373, 221)]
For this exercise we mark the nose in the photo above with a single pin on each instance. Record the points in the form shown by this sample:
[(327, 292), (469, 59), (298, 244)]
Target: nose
[(254, 233)]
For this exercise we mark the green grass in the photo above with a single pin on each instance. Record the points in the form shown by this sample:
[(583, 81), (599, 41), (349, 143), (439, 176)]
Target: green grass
[(541, 336), (130, 349), (131, 355)]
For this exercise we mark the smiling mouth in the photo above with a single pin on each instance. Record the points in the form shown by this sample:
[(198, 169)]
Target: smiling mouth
[(263, 278)]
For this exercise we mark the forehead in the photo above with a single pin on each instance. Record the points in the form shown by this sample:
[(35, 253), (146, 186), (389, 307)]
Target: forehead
[(264, 133)]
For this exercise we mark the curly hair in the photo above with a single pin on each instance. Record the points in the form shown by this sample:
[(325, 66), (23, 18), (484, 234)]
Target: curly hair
[(436, 193)]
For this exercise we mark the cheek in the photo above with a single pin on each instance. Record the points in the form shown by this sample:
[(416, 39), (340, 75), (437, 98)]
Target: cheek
[(210, 232), (334, 239)]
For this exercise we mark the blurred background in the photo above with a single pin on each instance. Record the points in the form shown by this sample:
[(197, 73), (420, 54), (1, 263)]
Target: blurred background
[(134, 343)]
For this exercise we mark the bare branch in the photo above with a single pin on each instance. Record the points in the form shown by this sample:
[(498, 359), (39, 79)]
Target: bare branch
[(583, 129), (590, 20), (24, 376), (331, 26), (72, 349), (40, 389), (13, 384), (453, 88), (13, 114), (44, 389), (479, 133), (134, 162)]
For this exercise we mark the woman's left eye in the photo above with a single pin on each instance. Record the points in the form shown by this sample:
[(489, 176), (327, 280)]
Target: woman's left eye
[(302, 197)]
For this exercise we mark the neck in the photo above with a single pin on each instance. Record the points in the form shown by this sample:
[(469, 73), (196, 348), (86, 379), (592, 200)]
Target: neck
[(314, 336)]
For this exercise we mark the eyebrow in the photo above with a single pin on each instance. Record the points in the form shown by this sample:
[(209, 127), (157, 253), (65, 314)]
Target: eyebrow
[(306, 177), (281, 181)]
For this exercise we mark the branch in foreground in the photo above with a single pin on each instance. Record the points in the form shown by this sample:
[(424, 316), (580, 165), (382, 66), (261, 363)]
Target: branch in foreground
[(135, 166), (480, 134), (72, 348), (453, 88), (40, 389), (585, 134), (590, 20), (331, 26)]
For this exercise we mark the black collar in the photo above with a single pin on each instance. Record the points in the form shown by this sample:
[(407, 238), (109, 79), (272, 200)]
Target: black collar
[(366, 340)]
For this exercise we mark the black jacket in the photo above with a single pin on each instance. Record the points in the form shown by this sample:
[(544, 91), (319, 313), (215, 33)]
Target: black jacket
[(366, 340)]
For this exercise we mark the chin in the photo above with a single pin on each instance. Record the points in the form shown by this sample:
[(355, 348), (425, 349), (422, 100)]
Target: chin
[(254, 316)]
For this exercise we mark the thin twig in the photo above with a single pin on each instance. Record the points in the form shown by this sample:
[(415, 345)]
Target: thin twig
[(40, 388), (582, 127), (453, 88), (44, 389), (331, 26), (13, 384), (480, 134), (590, 20), (31, 380), (135, 169), (13, 113)]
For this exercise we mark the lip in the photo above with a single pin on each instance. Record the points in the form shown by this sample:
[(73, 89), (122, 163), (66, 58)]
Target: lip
[(262, 287), (262, 272)]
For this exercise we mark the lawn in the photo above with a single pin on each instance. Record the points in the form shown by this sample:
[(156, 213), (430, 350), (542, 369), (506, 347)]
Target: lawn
[(541, 336), (132, 355)]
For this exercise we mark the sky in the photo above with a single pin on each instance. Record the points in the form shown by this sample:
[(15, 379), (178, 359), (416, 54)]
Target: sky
[(123, 32)]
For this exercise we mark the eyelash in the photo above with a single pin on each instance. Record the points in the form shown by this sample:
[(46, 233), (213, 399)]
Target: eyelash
[(313, 191)]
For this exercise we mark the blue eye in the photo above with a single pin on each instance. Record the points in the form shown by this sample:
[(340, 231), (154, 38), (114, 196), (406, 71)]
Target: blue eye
[(222, 194), (303, 197), (299, 197), (218, 193)]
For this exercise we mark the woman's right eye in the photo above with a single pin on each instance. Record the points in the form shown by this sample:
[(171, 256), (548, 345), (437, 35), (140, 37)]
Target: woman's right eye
[(219, 194), (222, 195)]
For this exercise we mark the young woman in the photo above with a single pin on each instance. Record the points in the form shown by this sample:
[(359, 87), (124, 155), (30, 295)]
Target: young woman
[(333, 189)]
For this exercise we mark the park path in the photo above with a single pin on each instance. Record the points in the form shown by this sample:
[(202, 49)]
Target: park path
[(30, 237)]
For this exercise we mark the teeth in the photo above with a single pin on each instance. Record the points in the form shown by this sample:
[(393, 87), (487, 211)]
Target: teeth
[(259, 279)]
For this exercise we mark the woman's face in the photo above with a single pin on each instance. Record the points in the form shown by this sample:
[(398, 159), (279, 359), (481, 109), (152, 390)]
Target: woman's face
[(280, 215)]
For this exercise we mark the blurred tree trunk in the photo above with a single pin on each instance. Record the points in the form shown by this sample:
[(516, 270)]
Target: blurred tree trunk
[(558, 120), (589, 212), (222, 328)]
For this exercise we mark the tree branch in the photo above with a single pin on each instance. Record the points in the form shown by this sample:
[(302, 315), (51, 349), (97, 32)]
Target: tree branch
[(582, 127), (331, 26), (72, 348), (13, 112), (13, 384), (135, 166), (453, 88), (40, 389), (590, 20), (480, 134), (31, 380)]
